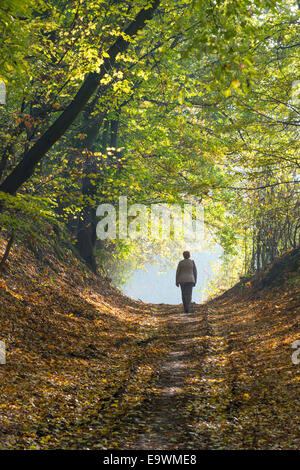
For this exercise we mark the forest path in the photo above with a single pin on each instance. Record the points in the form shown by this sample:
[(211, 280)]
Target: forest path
[(89, 368), (165, 416)]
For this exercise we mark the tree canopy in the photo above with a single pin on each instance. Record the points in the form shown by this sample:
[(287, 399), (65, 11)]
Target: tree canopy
[(159, 101)]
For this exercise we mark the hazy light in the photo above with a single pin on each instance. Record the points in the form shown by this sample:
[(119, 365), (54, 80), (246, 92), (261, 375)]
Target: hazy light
[(153, 286)]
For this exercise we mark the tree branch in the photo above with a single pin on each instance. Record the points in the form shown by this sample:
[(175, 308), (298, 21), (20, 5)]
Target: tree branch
[(23, 171)]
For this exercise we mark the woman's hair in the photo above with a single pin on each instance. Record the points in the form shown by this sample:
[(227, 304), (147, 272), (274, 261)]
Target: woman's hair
[(186, 254)]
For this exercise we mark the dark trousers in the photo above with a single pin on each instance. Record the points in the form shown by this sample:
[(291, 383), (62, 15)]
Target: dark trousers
[(186, 292)]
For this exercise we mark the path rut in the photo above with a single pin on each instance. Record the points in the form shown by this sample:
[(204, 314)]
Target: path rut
[(166, 408)]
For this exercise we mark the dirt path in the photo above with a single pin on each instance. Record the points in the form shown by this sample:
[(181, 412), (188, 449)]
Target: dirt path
[(89, 368), (225, 383), (163, 419)]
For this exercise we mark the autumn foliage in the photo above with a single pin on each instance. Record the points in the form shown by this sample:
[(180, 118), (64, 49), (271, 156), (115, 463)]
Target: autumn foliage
[(78, 355), (85, 364)]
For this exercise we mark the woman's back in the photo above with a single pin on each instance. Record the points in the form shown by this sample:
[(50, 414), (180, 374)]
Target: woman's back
[(186, 271)]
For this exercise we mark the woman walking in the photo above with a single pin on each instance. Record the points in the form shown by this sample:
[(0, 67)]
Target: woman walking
[(186, 277)]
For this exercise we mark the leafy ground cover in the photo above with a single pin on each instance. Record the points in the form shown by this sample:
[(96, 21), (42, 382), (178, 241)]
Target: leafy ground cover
[(79, 354), (90, 368), (228, 381)]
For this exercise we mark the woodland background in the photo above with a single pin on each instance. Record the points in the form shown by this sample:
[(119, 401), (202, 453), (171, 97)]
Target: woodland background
[(158, 101)]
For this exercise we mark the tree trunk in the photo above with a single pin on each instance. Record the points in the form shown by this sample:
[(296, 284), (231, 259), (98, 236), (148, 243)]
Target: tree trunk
[(7, 249), (24, 170)]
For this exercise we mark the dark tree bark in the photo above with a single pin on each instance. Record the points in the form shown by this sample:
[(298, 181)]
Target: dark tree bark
[(7, 250), (86, 228), (24, 170)]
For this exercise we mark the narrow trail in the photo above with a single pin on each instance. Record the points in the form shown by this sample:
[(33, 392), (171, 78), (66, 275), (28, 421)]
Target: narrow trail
[(89, 368), (226, 381), (165, 415)]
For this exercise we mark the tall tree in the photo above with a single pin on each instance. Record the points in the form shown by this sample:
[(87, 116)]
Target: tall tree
[(26, 167)]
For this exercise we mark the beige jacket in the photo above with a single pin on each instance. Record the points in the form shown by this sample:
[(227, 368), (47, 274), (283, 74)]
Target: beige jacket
[(186, 271)]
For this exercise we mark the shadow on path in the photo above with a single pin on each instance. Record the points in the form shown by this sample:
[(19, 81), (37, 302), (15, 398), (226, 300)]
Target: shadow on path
[(162, 419)]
